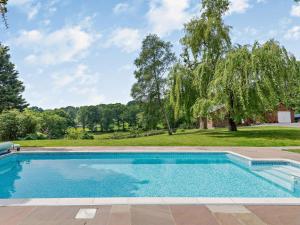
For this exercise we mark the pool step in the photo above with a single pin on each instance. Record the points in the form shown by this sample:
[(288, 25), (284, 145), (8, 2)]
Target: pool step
[(289, 170), (284, 181), (286, 176)]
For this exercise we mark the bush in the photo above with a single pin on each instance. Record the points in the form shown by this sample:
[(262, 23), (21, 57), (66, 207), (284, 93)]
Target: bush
[(9, 125), (28, 123), (53, 125), (76, 134), (87, 136)]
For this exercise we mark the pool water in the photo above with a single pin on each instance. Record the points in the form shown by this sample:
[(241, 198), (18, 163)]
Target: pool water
[(76, 175)]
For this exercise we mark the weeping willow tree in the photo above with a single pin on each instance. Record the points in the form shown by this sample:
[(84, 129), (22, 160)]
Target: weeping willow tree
[(252, 81), (182, 94), (206, 40)]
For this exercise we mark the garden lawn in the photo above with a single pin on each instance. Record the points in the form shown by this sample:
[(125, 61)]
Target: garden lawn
[(295, 151), (250, 136)]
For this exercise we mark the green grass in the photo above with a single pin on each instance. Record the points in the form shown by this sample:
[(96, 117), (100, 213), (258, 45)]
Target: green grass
[(258, 136), (294, 150)]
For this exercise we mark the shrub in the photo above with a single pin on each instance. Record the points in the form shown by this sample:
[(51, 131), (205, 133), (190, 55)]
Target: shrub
[(53, 125), (9, 125), (76, 134), (73, 133), (28, 123), (87, 136)]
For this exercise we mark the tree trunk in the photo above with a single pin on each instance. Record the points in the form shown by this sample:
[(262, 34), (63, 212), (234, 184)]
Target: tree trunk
[(203, 123), (231, 125)]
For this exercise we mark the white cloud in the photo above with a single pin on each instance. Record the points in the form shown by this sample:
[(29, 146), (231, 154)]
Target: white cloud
[(121, 8), (30, 7), (238, 6), (50, 48), (34, 11), (81, 83), (293, 33), (295, 10), (128, 39), (166, 16)]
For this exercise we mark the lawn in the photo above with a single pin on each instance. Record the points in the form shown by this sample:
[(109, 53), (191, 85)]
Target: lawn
[(295, 151), (250, 136)]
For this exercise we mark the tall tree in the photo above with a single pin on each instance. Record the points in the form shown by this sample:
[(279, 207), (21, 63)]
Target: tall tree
[(206, 40), (152, 64), (3, 11), (10, 87), (252, 81)]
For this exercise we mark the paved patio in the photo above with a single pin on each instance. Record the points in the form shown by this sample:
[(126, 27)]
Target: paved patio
[(153, 215)]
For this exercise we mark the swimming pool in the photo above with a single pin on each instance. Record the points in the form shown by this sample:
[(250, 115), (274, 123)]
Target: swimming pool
[(106, 175)]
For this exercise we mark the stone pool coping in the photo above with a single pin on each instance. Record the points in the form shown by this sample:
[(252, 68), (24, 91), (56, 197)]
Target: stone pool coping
[(151, 200)]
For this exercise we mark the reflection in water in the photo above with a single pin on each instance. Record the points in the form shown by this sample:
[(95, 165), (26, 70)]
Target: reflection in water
[(9, 174), (65, 179)]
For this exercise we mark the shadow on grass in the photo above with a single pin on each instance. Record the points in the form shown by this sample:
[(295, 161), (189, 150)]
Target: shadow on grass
[(282, 134)]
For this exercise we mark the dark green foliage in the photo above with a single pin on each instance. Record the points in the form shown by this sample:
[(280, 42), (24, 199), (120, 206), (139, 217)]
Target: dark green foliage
[(9, 125), (155, 59), (10, 87), (76, 134), (53, 125), (28, 123), (3, 11)]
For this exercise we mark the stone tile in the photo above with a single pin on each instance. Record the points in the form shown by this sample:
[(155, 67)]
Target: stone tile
[(192, 215), (102, 216), (86, 213), (151, 215), (52, 216), (75, 201), (179, 201), (227, 219), (277, 215), (110, 201), (214, 201), (14, 215), (145, 201), (120, 215), (228, 209), (249, 219)]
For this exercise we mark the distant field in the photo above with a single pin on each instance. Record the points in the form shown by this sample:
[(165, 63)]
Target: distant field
[(255, 136)]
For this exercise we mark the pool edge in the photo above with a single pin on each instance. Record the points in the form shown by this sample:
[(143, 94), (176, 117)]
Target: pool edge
[(147, 201), (152, 200)]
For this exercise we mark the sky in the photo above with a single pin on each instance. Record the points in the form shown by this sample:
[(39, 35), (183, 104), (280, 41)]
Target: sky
[(81, 52)]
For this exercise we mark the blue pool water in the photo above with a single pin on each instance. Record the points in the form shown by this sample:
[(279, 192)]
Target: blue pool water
[(75, 175)]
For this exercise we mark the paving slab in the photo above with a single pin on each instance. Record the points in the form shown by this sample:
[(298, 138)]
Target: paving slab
[(120, 215), (227, 219), (192, 215), (277, 215), (151, 215)]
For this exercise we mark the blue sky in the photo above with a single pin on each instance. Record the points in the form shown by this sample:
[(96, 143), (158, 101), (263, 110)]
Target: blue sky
[(81, 52)]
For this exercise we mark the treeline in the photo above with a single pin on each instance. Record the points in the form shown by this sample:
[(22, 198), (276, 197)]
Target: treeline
[(36, 123)]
